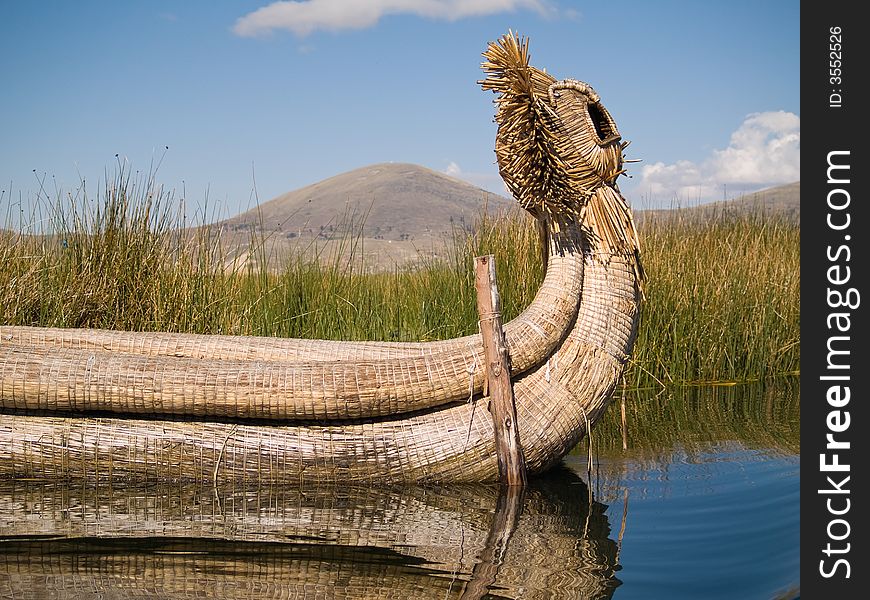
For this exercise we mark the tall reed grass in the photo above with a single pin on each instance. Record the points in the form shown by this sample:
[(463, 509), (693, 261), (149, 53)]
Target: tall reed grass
[(723, 299), (722, 296)]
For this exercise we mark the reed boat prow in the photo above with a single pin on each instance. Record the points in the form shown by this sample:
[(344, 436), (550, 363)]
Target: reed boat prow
[(119, 406)]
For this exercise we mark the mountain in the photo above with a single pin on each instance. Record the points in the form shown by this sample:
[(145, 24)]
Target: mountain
[(781, 202), (384, 215), (390, 201)]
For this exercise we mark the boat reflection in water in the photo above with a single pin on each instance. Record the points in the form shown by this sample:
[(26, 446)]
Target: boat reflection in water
[(182, 541)]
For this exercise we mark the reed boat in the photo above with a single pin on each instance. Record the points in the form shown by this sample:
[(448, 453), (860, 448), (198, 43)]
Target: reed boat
[(110, 405)]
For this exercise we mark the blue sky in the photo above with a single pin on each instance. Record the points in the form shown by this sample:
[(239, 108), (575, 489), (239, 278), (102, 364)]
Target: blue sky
[(275, 96)]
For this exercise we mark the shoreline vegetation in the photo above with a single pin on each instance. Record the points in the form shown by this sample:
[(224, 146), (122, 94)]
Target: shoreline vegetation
[(722, 296)]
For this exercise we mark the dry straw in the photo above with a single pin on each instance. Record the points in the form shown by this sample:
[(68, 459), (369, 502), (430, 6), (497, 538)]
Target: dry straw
[(335, 411)]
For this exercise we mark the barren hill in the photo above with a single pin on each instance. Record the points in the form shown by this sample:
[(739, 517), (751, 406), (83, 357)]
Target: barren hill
[(780, 202), (395, 210), (389, 201)]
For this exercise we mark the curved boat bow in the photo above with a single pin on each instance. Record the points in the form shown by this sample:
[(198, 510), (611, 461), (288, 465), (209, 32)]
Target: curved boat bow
[(306, 410)]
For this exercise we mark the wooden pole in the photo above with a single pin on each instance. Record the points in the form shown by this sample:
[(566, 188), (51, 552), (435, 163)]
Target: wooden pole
[(502, 406)]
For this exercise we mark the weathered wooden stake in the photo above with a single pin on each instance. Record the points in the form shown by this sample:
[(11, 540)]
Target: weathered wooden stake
[(511, 464)]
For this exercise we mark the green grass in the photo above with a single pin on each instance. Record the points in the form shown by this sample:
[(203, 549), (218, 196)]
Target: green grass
[(722, 296), (723, 301)]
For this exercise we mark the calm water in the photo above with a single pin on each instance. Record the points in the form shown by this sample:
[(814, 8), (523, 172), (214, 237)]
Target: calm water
[(703, 504)]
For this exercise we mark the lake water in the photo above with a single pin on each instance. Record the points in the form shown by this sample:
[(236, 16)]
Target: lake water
[(703, 503)]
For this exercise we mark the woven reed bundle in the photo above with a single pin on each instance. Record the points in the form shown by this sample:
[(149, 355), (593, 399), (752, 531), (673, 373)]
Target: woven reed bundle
[(152, 374), (341, 542), (556, 401)]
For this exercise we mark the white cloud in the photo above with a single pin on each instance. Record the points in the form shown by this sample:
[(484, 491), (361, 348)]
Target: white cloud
[(304, 16), (487, 181), (762, 152), (453, 170)]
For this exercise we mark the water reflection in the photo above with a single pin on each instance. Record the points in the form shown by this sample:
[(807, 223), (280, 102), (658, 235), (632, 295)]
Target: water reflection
[(185, 541), (762, 415), (707, 490), (703, 503)]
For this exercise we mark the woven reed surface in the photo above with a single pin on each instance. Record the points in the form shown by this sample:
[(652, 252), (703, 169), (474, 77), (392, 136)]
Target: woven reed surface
[(221, 376), (181, 541)]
